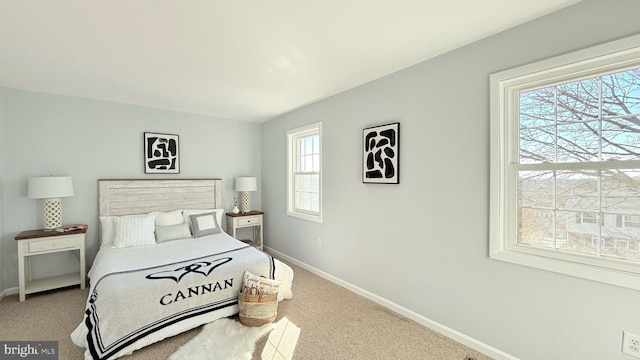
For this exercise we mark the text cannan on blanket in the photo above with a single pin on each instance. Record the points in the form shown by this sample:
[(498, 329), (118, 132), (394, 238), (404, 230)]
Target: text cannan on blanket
[(195, 291)]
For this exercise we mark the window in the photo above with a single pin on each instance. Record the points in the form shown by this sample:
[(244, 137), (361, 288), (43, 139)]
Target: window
[(587, 218), (565, 164), (629, 221), (304, 185)]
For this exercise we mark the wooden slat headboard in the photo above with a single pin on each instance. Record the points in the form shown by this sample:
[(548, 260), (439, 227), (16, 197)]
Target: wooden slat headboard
[(140, 196)]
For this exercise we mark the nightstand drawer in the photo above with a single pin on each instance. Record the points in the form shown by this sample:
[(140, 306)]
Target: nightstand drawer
[(247, 220), (60, 243)]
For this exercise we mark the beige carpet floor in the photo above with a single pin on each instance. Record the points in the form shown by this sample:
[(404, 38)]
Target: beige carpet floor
[(334, 323)]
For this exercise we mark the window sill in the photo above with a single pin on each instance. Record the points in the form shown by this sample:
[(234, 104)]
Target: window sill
[(313, 218), (581, 270)]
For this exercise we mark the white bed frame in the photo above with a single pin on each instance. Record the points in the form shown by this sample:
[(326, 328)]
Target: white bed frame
[(140, 196)]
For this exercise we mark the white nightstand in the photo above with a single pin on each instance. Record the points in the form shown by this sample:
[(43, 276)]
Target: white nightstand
[(243, 220), (37, 242)]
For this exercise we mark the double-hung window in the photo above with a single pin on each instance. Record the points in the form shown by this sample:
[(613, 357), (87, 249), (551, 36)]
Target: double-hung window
[(304, 183), (565, 164)]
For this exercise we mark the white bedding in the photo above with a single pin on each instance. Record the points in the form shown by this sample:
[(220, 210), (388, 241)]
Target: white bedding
[(141, 295)]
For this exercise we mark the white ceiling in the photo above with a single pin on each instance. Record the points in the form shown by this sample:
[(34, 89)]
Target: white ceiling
[(237, 59)]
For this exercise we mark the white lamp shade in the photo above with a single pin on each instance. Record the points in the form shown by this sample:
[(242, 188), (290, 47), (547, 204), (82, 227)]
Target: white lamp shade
[(46, 187), (246, 183)]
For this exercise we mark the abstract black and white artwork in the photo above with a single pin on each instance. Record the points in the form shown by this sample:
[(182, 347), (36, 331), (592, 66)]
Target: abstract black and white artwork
[(161, 154), (380, 156)]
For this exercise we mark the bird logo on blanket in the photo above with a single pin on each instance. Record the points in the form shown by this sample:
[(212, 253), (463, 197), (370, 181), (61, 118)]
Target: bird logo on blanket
[(201, 267)]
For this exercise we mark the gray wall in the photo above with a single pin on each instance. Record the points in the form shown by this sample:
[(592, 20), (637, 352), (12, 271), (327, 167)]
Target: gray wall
[(2, 172), (423, 244), (47, 134)]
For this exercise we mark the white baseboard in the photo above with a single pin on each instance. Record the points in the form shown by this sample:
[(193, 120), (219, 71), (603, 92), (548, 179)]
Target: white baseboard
[(9, 291), (435, 326)]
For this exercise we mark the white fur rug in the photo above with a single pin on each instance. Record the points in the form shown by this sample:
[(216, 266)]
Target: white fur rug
[(223, 339)]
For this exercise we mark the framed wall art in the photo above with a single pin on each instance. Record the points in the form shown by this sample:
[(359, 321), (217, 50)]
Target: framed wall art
[(161, 153), (380, 154)]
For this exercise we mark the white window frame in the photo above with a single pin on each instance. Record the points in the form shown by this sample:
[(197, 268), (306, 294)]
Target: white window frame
[(292, 136), (504, 126), (630, 221)]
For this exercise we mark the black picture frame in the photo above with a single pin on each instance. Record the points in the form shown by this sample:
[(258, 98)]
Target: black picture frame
[(161, 153), (381, 154)]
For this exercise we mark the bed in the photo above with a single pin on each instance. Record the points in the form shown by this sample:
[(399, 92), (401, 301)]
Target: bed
[(164, 265)]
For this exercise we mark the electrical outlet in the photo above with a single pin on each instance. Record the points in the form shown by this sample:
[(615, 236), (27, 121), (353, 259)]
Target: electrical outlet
[(631, 344), (318, 242)]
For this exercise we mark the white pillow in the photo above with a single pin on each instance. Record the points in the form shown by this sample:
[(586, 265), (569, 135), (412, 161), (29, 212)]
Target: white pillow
[(187, 213), (106, 231), (172, 232), (265, 285), (134, 230), (164, 218)]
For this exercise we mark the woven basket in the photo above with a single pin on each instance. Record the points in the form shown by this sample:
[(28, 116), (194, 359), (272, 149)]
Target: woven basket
[(257, 309)]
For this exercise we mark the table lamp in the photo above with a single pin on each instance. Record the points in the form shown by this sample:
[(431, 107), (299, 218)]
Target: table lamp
[(50, 189), (244, 185)]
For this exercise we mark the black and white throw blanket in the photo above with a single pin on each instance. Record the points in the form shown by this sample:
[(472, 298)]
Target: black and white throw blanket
[(131, 306)]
